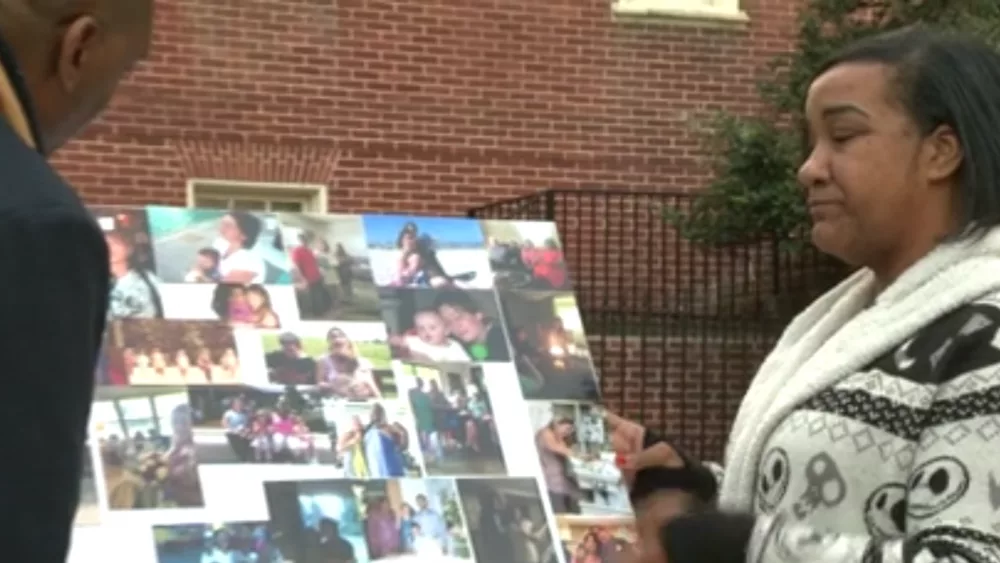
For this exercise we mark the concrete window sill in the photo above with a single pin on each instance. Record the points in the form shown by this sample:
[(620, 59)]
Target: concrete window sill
[(676, 10)]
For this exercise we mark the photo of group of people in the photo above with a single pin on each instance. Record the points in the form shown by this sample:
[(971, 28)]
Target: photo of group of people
[(331, 270), (526, 255), (578, 466), (346, 360), (161, 352), (244, 424), (455, 425), (237, 542), (147, 456), (369, 352), (371, 520)]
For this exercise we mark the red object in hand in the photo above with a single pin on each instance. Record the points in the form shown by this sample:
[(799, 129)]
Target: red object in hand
[(620, 459)]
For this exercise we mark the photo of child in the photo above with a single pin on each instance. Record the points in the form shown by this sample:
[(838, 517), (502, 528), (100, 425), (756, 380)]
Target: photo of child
[(161, 352), (236, 542), (551, 352), (526, 255), (331, 271), (244, 424), (147, 450), (446, 325), (135, 288), (212, 246), (346, 360), (456, 428), (427, 252), (374, 440)]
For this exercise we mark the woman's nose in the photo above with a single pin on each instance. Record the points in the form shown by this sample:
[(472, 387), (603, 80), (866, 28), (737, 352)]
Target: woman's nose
[(814, 171)]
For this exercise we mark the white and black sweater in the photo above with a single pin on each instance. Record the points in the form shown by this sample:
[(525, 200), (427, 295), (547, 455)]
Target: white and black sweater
[(894, 461)]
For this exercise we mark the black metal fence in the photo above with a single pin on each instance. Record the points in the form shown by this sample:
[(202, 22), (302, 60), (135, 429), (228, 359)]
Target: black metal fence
[(676, 330)]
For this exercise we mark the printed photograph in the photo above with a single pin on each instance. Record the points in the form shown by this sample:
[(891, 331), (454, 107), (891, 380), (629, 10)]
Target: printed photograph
[(330, 267), (596, 540), (373, 440), (162, 352), (454, 419), (135, 288), (213, 246), (404, 520), (244, 424), (88, 513), (506, 521), (551, 353), (578, 465), (449, 325), (237, 542), (427, 252), (346, 360), (526, 255), (239, 305), (147, 451)]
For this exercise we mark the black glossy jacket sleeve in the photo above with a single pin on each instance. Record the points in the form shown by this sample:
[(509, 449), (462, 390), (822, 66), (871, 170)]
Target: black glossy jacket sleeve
[(53, 297)]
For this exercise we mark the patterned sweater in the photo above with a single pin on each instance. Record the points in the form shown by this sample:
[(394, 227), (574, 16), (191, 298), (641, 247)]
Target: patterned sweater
[(897, 463)]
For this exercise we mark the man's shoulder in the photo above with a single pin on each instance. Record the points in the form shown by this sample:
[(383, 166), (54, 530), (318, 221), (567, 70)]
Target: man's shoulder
[(31, 188)]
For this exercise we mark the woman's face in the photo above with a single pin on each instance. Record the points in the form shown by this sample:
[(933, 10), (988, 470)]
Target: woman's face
[(230, 230), (339, 342), (590, 543), (408, 242), (118, 249), (873, 181), (256, 299), (564, 430)]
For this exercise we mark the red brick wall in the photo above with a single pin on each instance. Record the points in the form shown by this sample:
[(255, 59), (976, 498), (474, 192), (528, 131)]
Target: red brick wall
[(428, 106)]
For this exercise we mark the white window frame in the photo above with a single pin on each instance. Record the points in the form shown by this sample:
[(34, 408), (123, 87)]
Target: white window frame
[(725, 10), (312, 196)]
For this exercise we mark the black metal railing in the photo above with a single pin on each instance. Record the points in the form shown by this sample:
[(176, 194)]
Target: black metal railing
[(676, 329)]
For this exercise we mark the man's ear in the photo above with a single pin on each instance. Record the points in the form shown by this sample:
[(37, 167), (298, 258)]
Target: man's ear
[(76, 47)]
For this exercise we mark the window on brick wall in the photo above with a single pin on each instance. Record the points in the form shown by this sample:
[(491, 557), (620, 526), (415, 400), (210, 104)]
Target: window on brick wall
[(709, 9), (257, 196)]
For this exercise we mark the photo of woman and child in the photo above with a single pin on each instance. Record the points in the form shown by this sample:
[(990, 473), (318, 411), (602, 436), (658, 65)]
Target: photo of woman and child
[(597, 540), (578, 467), (526, 255), (249, 306), (448, 325), (238, 542), (455, 426), (147, 451), (347, 360), (551, 353), (506, 521), (239, 424), (374, 441), (427, 252), (135, 289), (208, 246), (331, 271), (159, 352)]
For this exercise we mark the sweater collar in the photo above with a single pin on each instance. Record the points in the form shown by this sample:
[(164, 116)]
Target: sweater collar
[(15, 103)]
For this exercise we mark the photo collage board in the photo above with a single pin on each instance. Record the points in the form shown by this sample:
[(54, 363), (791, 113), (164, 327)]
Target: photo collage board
[(281, 387)]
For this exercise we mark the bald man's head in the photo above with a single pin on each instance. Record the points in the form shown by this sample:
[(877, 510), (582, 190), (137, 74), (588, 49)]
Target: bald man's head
[(73, 54)]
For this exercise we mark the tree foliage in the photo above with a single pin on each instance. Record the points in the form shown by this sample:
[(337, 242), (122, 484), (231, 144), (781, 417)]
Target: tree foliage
[(754, 193)]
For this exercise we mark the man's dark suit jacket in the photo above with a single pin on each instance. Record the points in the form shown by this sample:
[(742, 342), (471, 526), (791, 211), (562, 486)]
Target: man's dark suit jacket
[(54, 286)]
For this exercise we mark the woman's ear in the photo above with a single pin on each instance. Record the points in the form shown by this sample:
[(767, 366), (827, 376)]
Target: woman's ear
[(944, 153)]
